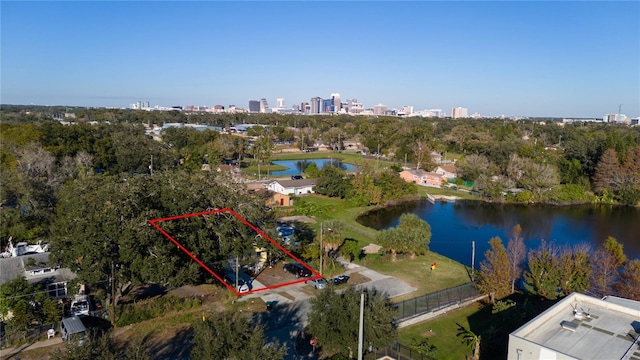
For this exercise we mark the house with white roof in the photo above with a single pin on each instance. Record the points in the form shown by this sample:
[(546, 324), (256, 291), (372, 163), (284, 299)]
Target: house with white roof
[(448, 172), (292, 187)]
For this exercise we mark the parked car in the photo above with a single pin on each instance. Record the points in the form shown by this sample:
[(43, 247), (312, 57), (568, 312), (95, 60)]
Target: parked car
[(342, 279), (296, 177), (318, 283), (243, 285), (285, 233), (297, 269), (80, 305)]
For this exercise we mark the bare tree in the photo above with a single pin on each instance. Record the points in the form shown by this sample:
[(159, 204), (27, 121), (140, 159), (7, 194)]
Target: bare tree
[(516, 252), (472, 166), (421, 152), (538, 177), (36, 162)]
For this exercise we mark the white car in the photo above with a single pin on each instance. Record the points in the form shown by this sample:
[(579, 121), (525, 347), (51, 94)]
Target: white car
[(243, 285), (318, 283)]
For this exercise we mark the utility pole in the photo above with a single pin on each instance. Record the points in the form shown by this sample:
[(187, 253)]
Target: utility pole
[(361, 327), (473, 259), (237, 271), (113, 291), (321, 249)]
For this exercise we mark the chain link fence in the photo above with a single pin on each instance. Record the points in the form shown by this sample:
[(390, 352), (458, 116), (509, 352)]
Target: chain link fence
[(436, 301), (36, 332)]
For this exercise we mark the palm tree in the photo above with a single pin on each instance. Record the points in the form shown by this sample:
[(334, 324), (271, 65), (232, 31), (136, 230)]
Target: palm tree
[(471, 339)]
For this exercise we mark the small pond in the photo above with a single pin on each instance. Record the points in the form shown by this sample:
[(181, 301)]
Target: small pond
[(295, 167)]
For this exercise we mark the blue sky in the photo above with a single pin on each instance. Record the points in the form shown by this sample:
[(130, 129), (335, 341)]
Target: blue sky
[(566, 59)]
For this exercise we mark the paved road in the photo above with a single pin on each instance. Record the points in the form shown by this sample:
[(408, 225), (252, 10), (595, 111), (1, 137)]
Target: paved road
[(288, 317), (11, 353)]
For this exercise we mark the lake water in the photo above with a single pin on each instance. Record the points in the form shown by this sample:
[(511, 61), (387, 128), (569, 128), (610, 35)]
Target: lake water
[(454, 225), (296, 167)]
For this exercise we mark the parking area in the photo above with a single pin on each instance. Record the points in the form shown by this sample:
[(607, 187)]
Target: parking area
[(275, 275)]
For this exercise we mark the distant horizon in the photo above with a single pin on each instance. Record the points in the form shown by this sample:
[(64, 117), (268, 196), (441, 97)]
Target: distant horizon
[(448, 114), (575, 59)]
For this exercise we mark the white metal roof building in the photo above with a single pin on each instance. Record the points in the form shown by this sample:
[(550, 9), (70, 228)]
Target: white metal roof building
[(581, 327)]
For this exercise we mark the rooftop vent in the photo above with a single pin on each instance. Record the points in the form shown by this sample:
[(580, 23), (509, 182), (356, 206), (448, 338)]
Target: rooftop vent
[(568, 325), (581, 314)]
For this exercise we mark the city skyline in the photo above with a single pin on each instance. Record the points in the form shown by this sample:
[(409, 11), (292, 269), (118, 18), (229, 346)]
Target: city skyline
[(563, 59)]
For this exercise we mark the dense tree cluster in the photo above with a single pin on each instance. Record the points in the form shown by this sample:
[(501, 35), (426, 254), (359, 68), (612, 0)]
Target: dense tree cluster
[(232, 336), (552, 163), (104, 219), (552, 272), (28, 305), (334, 319)]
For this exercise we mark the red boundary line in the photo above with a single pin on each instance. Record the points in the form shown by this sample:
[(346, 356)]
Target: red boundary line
[(155, 222)]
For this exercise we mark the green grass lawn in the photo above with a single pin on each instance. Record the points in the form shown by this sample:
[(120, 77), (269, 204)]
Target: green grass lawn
[(442, 331), (417, 272), (447, 192)]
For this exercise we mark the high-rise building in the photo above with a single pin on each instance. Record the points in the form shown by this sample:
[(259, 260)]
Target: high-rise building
[(335, 97), (327, 106), (264, 106), (316, 105), (354, 107), (254, 106), (280, 103), (379, 109), (303, 107), (459, 113), (407, 110)]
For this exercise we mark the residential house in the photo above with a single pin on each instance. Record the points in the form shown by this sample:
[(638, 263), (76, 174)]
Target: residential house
[(277, 199), (36, 269), (421, 177), (292, 187), (448, 172)]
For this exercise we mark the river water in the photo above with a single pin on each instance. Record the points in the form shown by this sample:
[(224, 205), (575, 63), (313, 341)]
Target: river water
[(454, 225)]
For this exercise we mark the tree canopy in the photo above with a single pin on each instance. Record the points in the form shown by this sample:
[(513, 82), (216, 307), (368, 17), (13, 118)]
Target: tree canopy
[(412, 236), (232, 336), (334, 320)]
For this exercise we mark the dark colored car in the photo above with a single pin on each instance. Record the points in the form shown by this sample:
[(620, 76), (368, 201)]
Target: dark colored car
[(297, 270), (342, 279), (296, 177)]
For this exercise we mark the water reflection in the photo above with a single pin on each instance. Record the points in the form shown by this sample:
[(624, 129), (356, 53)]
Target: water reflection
[(455, 225), (297, 166)]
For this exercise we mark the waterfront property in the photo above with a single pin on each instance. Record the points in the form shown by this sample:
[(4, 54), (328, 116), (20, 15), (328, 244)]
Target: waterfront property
[(421, 177), (448, 172)]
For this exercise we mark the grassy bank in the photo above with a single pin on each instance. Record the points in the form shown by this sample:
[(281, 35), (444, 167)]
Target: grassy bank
[(417, 272), (441, 332)]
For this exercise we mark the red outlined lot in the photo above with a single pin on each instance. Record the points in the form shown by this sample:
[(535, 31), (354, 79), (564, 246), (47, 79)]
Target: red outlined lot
[(155, 222)]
